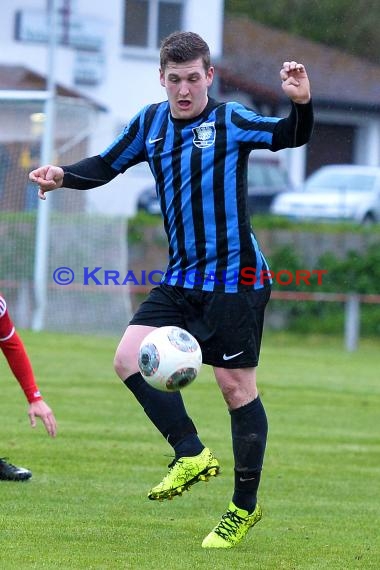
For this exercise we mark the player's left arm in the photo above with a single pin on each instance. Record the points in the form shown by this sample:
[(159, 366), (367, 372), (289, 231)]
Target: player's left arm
[(296, 129), (15, 353), (40, 409), (19, 362), (295, 82)]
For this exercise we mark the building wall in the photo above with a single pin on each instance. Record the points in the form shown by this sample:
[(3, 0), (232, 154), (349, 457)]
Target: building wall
[(122, 79)]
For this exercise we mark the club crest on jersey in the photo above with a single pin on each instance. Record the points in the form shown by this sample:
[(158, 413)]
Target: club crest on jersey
[(204, 135)]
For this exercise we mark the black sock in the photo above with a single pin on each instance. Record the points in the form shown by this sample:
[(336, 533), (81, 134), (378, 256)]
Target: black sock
[(167, 412), (249, 429)]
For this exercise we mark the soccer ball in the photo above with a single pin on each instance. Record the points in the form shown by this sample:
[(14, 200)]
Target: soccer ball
[(169, 358)]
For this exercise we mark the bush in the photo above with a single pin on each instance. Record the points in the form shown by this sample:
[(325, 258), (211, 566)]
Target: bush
[(355, 273)]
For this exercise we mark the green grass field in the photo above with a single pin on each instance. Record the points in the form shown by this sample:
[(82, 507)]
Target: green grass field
[(86, 505)]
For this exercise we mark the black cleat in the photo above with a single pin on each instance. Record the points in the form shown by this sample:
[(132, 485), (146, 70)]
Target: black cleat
[(9, 472)]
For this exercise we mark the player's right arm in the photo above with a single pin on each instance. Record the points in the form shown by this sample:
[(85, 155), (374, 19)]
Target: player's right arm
[(83, 175), (126, 150), (48, 178)]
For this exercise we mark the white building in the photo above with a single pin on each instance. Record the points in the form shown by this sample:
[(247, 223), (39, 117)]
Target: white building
[(107, 51)]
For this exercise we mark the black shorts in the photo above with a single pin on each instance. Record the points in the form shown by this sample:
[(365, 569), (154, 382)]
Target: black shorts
[(228, 326)]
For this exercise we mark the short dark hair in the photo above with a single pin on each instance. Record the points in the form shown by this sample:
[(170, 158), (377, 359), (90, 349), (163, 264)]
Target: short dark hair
[(181, 47)]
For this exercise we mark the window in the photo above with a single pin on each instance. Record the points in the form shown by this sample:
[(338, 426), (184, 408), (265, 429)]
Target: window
[(147, 22), (266, 174)]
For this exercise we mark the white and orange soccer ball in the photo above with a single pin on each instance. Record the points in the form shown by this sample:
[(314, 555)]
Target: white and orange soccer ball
[(169, 358)]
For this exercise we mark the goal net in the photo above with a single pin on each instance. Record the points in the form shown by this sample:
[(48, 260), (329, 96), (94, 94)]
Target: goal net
[(76, 240)]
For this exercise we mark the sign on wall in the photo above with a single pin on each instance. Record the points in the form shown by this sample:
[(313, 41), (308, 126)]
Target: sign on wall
[(79, 32)]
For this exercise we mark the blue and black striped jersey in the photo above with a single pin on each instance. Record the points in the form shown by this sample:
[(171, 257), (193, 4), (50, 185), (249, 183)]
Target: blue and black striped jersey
[(200, 169)]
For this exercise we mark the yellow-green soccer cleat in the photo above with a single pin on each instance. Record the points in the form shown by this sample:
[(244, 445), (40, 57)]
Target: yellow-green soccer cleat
[(233, 527), (183, 473)]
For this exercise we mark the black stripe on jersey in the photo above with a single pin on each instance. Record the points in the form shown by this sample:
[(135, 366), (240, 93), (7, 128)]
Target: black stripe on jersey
[(246, 125), (149, 116), (247, 250), (219, 198), (148, 119), (197, 210), (177, 199)]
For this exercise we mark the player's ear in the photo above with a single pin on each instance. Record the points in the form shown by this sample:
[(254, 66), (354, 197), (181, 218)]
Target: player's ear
[(210, 76), (162, 77)]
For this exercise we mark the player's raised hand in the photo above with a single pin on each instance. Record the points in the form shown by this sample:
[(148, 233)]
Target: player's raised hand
[(48, 178), (295, 82)]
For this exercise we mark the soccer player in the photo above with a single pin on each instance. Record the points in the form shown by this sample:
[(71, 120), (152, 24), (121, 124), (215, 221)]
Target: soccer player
[(18, 360), (197, 149)]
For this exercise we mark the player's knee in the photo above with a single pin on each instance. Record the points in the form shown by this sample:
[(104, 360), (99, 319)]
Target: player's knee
[(121, 366)]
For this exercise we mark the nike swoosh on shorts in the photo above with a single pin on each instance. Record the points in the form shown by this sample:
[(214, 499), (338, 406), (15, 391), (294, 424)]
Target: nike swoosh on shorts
[(230, 356)]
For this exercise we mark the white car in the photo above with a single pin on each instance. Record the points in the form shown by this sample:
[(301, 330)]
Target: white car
[(334, 192)]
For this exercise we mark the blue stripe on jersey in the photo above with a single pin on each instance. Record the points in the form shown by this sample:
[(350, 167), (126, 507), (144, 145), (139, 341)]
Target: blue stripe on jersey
[(262, 266)]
